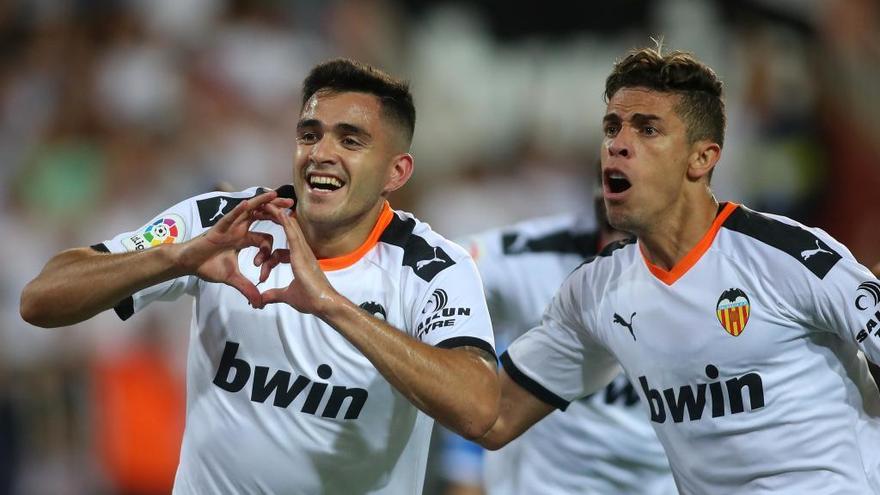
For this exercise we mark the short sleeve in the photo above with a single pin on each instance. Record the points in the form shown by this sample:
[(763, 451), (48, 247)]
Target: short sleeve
[(452, 311), (847, 302), (559, 361), (173, 226)]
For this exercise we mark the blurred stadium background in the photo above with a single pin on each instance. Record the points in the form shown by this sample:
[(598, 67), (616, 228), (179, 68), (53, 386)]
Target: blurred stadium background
[(111, 110)]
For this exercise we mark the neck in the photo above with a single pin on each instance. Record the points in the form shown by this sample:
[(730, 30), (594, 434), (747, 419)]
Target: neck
[(331, 241), (681, 227)]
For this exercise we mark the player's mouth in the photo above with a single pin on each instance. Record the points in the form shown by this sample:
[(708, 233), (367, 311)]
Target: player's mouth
[(322, 183), (615, 184)]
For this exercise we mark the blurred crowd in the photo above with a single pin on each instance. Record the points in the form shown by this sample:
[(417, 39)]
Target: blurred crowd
[(112, 110)]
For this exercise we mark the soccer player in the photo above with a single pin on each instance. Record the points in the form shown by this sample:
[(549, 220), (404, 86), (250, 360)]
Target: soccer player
[(745, 334), (368, 319), (602, 443)]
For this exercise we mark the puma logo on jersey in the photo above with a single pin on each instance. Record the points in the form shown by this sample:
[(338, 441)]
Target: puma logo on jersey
[(807, 254), (628, 324), (220, 209), (423, 263), (233, 374), (689, 402)]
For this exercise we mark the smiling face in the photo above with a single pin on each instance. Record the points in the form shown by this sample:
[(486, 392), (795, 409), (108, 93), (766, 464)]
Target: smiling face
[(645, 158), (348, 157)]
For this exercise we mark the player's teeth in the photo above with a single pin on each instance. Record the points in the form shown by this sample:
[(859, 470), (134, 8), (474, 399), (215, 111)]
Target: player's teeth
[(616, 176), (332, 181)]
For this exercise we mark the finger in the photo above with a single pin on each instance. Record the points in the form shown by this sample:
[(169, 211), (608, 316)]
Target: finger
[(260, 240), (272, 296), (278, 256), (247, 289), (282, 203), (226, 221), (258, 201)]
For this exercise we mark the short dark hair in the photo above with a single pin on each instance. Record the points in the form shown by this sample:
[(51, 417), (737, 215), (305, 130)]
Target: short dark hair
[(344, 75), (701, 107)]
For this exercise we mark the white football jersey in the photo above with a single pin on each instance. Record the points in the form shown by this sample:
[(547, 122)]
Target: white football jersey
[(277, 400), (602, 444), (749, 355)]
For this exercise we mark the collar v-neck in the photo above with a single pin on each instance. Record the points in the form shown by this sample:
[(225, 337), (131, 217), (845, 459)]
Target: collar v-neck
[(346, 260), (669, 277)]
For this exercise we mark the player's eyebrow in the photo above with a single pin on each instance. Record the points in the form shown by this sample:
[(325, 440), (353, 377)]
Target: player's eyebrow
[(637, 118), (342, 128), (641, 118)]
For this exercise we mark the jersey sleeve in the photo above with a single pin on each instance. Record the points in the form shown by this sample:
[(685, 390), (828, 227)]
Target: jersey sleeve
[(845, 301), (452, 311), (173, 226), (485, 249), (560, 361)]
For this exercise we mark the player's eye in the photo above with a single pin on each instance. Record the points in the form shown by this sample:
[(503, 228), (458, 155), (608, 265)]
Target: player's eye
[(649, 130), (350, 142), (307, 137), (611, 130)]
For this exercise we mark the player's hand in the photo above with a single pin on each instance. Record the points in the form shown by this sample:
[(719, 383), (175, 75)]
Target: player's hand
[(213, 256), (876, 270), (310, 291)]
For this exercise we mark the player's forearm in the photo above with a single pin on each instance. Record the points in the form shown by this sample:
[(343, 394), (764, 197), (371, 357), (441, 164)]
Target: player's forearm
[(518, 410), (79, 283), (456, 387)]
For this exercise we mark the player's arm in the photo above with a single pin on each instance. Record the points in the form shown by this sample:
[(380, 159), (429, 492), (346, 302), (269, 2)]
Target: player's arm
[(518, 411), (77, 284), (876, 270), (457, 386)]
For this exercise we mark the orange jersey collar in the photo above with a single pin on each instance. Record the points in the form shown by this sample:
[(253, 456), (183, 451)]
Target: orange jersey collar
[(346, 260), (690, 259)]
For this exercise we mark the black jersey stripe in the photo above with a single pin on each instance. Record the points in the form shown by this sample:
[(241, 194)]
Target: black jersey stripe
[(799, 243), (608, 250), (530, 385), (454, 342), (425, 260), (561, 242), (125, 309)]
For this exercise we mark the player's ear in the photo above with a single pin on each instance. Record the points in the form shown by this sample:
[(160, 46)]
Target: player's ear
[(400, 172), (704, 156)]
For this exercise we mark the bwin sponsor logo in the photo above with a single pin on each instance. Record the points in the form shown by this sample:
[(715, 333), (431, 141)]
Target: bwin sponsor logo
[(688, 403), (233, 373)]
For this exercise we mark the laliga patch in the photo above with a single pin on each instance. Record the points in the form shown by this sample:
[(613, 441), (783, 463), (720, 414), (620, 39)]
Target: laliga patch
[(165, 230), (733, 311)]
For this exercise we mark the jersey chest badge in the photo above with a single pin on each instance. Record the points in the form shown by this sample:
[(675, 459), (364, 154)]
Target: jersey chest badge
[(733, 309)]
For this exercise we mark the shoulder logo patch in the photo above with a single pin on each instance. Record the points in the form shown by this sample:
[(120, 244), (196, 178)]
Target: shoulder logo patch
[(427, 261), (438, 301), (733, 310), (211, 210), (801, 244), (809, 253), (165, 230), (869, 289)]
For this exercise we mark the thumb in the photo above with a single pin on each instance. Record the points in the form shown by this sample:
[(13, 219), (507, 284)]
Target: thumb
[(247, 289), (272, 296)]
